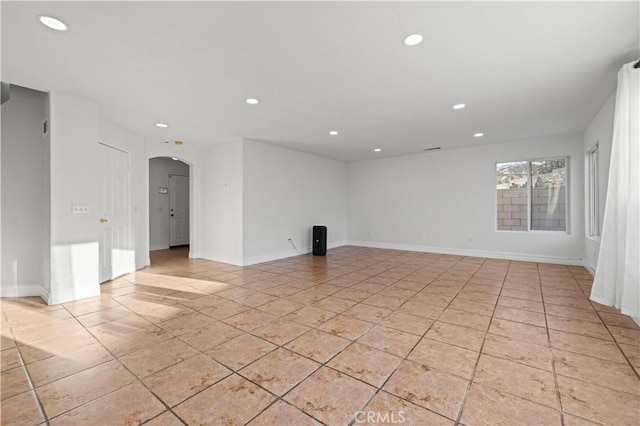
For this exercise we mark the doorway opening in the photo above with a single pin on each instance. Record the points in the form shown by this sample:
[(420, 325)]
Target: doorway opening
[(169, 208)]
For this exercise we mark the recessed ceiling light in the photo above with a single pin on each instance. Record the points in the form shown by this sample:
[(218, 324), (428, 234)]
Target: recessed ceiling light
[(252, 101), (377, 150), (52, 23), (459, 106), (174, 158), (478, 135), (412, 39), (164, 126), (333, 133)]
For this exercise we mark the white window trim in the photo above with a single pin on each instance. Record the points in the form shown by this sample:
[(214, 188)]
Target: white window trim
[(567, 204)]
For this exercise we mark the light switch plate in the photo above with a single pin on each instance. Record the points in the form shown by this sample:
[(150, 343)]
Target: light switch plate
[(79, 208)]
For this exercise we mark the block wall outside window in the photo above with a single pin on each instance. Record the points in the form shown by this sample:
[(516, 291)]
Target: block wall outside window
[(531, 195)]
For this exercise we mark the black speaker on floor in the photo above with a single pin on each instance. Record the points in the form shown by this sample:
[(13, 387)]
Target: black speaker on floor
[(319, 240)]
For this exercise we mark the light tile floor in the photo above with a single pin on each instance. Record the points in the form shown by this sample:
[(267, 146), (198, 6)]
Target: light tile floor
[(359, 336)]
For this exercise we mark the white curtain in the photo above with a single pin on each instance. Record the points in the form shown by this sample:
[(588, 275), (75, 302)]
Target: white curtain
[(617, 280)]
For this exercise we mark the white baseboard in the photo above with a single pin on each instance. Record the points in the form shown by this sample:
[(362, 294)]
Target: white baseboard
[(45, 295), (285, 254), (590, 269), (21, 290), (473, 253)]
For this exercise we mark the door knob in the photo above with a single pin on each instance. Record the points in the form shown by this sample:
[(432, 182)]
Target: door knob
[(103, 220)]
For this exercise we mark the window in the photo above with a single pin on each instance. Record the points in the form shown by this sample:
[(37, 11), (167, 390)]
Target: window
[(532, 195), (593, 165)]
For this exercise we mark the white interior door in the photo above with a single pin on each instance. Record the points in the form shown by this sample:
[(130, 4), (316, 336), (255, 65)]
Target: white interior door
[(117, 257), (178, 210)]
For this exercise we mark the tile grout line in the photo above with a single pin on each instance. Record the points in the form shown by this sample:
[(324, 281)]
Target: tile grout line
[(553, 360), (32, 386), (475, 367)]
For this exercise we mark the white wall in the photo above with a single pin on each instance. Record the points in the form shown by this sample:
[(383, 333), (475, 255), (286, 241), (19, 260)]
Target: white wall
[(599, 131), (25, 194), (221, 203), (438, 201), (285, 193), (159, 171), (121, 138), (74, 161)]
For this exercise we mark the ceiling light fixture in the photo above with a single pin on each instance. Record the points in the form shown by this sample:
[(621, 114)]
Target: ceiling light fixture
[(377, 150), (478, 135), (162, 125), (333, 133), (52, 23), (174, 158), (413, 39), (252, 101), (459, 106)]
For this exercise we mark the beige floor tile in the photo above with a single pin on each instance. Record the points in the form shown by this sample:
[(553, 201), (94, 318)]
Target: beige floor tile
[(225, 310), (519, 331), (280, 307), (310, 316), (524, 304), (249, 320), (231, 401), (365, 363), (619, 320), (575, 313), (334, 304), (465, 319), (183, 380), (387, 409), (517, 379), (280, 332), (584, 328), (282, 413), (71, 362), (208, 337), (455, 335), (346, 327), (393, 341), (165, 419), (609, 374), (135, 404), (520, 315), (488, 406), (632, 353), (240, 351), (534, 296), (279, 371), (432, 389), (121, 344), (598, 348), (444, 357), (475, 296), (368, 313), (186, 323), (157, 356), (598, 404), (13, 382), (473, 307), (572, 302), (9, 358), (21, 409), (318, 345), (330, 396), (72, 391), (523, 352), (407, 323), (626, 336)]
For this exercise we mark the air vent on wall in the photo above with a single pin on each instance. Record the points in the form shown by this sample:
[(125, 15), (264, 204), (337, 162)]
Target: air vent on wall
[(435, 148)]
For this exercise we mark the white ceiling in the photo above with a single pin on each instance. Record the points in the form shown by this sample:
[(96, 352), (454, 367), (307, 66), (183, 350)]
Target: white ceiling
[(523, 69)]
